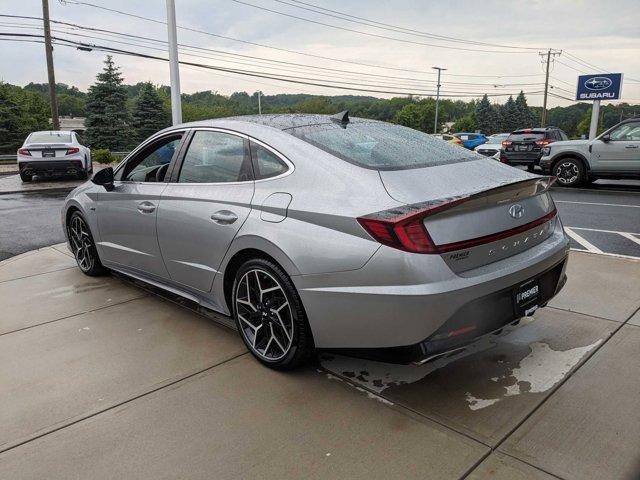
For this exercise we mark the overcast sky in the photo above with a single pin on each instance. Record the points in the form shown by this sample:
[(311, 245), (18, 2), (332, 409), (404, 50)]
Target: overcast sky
[(605, 37)]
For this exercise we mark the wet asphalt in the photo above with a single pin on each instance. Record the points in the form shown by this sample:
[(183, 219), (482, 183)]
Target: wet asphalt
[(599, 214)]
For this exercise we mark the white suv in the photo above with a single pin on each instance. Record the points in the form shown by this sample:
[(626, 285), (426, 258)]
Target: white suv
[(54, 152), (613, 154)]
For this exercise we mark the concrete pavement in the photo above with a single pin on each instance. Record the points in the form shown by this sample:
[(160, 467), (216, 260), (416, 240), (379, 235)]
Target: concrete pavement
[(103, 379)]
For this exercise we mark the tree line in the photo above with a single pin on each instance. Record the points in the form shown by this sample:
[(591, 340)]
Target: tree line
[(119, 116)]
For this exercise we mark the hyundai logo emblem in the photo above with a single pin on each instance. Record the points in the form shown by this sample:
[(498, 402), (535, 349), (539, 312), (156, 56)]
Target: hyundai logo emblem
[(516, 210), (598, 83)]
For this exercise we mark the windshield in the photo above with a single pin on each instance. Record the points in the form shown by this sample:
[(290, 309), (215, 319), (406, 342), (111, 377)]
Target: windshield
[(49, 137), (381, 146)]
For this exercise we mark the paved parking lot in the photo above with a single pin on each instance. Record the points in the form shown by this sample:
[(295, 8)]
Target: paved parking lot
[(103, 379)]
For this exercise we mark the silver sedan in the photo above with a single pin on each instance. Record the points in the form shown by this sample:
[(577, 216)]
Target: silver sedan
[(310, 231)]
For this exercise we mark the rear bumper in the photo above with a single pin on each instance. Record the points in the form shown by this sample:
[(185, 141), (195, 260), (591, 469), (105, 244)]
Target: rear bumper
[(399, 303), (51, 167), (521, 158), (477, 318)]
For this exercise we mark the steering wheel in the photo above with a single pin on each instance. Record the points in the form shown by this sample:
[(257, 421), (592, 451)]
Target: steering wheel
[(161, 172)]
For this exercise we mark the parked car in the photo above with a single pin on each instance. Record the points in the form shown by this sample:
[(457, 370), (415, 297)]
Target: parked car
[(54, 152), (493, 146), (524, 147), (614, 154), (312, 231), (448, 138), (471, 140)]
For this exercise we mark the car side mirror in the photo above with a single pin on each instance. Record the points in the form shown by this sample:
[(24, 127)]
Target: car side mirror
[(606, 138), (104, 177)]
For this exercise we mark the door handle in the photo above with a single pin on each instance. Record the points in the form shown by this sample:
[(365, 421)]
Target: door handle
[(224, 217), (146, 207), (631, 146)]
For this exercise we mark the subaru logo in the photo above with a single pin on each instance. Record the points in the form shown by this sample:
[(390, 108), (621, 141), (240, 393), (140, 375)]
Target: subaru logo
[(516, 210), (598, 83)]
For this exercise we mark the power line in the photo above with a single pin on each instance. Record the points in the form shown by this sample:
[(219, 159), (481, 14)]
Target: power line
[(394, 28), (289, 79), (369, 34), (74, 27), (140, 17)]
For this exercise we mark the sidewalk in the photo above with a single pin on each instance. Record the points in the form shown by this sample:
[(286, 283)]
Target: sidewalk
[(13, 183), (104, 379)]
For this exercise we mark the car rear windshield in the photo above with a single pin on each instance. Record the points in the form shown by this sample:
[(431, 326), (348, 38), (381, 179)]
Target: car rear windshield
[(525, 136), (49, 137), (381, 146)]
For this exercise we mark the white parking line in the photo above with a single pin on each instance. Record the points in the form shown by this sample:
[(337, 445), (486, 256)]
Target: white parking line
[(599, 204), (589, 246), (603, 231), (630, 237)]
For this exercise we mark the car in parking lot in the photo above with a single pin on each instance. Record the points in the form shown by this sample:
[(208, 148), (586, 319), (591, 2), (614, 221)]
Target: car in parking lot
[(613, 154), (55, 152), (337, 233), (471, 140), (493, 146), (524, 147), (448, 138)]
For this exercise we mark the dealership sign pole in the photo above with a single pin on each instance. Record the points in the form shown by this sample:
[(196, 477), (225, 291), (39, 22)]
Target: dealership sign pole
[(174, 71), (605, 86)]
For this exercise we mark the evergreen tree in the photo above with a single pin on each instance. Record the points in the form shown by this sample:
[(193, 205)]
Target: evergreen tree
[(149, 115), (107, 119), (510, 116), (486, 117), (524, 115)]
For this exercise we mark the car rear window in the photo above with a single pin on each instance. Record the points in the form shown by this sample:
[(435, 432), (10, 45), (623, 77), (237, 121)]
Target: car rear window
[(525, 136), (49, 137), (381, 146)]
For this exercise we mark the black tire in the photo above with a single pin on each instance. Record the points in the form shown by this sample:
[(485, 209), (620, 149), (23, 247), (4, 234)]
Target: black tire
[(290, 329), (25, 178), (569, 171), (82, 175), (83, 247)]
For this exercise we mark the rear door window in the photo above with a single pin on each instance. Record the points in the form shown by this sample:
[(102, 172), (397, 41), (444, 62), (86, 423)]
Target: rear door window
[(266, 164), (215, 157)]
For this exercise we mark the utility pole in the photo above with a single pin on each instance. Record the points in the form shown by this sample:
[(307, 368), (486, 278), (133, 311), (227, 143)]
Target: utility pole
[(546, 83), (259, 104), (49, 52), (435, 121), (174, 72)]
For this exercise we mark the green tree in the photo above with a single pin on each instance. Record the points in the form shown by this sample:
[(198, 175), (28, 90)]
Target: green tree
[(108, 122), (419, 115), (525, 119), (21, 112), (585, 124), (467, 123), (487, 117), (148, 115), (509, 115)]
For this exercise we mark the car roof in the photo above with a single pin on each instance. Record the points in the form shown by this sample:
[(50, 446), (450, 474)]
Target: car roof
[(283, 121), (64, 132)]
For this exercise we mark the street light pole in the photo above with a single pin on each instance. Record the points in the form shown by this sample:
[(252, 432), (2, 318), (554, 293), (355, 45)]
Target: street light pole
[(49, 53), (174, 72), (435, 121)]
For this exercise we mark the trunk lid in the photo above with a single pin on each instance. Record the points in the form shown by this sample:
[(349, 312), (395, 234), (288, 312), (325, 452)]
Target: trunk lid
[(47, 150), (499, 211)]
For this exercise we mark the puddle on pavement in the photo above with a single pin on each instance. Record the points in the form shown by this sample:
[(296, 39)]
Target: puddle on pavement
[(515, 368), (76, 289)]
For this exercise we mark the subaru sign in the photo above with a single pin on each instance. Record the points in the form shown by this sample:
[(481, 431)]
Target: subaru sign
[(605, 86)]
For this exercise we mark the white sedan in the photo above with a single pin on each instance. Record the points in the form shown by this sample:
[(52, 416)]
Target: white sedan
[(54, 152), (493, 145)]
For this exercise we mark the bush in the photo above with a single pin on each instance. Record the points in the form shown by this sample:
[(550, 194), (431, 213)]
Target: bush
[(103, 155)]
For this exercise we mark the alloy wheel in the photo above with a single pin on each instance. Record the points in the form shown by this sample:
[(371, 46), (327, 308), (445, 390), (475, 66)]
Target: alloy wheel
[(81, 243), (264, 315), (567, 173)]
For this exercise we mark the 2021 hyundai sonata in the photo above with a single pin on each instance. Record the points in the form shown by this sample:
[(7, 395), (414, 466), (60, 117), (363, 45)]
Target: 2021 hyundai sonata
[(312, 231)]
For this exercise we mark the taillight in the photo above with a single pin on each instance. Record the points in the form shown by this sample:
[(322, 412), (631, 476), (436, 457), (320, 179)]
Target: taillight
[(72, 150), (24, 151), (506, 143), (546, 141), (403, 227)]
